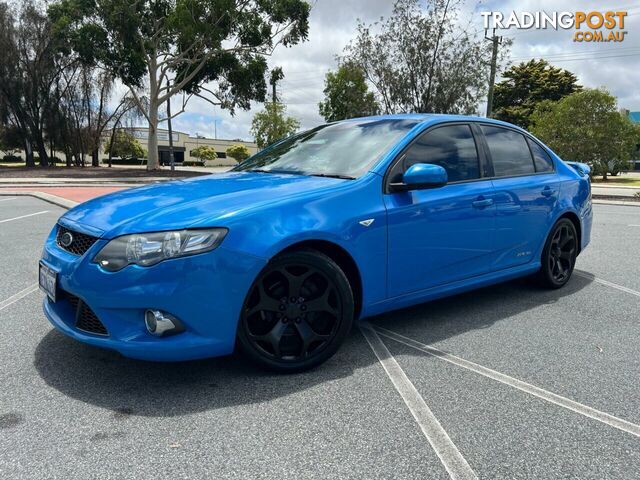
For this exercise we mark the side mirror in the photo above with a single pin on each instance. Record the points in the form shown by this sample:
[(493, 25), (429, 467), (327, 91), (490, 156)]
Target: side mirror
[(421, 176)]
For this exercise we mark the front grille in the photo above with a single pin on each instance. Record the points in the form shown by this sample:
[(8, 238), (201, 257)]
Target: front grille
[(86, 319), (80, 244)]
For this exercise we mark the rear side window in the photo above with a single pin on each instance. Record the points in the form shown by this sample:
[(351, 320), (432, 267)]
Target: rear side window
[(541, 159), (452, 147), (509, 152)]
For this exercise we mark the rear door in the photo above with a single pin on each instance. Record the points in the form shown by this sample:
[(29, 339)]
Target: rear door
[(526, 191)]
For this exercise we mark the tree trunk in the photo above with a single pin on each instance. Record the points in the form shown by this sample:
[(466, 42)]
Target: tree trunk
[(28, 154), (113, 135), (95, 159), (42, 151), (152, 141)]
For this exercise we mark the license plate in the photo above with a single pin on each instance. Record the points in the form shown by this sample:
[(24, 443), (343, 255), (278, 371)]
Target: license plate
[(48, 280)]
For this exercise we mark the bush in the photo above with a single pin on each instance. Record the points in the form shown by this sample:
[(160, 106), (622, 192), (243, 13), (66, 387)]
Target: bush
[(125, 161), (12, 159), (193, 163)]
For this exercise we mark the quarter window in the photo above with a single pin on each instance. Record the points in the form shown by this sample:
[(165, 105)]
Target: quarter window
[(509, 152), (541, 158), (452, 147)]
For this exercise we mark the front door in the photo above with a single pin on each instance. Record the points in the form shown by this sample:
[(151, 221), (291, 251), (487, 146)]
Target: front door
[(441, 235)]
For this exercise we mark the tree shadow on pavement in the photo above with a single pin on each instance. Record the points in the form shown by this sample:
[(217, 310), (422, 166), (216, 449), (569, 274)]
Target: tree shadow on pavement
[(131, 387)]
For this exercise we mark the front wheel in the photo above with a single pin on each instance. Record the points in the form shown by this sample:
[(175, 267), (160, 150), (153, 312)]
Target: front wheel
[(297, 313), (559, 254)]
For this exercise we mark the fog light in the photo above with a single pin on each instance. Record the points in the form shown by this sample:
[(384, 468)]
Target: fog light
[(161, 323)]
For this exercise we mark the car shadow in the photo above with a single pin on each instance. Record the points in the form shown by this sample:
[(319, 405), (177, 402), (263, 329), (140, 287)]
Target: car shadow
[(132, 387)]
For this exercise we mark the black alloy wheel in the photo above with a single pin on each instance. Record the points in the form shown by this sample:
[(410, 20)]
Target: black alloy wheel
[(559, 254), (297, 313)]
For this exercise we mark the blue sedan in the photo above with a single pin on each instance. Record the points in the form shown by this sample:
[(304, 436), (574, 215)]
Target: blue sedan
[(281, 255)]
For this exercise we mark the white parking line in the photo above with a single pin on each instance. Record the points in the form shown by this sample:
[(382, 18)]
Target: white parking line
[(551, 397), (7, 199), (449, 455), (24, 216), (590, 276), (21, 294), (632, 225)]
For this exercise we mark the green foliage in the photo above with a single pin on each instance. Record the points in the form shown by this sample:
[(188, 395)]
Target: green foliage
[(346, 94), (125, 145), (204, 153), (526, 85), (238, 152), (587, 127), (421, 60), (12, 159), (126, 161), (272, 124)]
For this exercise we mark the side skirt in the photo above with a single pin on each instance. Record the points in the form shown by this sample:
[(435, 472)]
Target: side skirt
[(449, 289)]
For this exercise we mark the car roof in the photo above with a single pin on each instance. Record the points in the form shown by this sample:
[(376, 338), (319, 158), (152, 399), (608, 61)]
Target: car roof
[(433, 118)]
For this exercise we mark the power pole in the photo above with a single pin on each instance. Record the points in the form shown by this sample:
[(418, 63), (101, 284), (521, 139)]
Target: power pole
[(495, 40), (171, 156)]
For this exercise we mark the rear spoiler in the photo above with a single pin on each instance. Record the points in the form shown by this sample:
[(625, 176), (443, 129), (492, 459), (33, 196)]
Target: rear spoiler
[(582, 168)]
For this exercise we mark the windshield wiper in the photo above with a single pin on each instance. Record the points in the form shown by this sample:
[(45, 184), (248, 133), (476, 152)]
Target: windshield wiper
[(261, 170), (332, 175)]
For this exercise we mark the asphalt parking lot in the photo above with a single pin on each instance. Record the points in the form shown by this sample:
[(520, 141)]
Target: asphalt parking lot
[(507, 382)]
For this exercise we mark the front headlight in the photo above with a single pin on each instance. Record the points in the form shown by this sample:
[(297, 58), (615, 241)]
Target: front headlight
[(146, 249)]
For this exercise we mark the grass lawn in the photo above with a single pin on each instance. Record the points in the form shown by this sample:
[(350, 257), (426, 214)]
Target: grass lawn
[(628, 181), (12, 164)]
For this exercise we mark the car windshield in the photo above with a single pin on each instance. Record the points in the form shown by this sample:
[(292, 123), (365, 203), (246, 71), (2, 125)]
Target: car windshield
[(343, 150)]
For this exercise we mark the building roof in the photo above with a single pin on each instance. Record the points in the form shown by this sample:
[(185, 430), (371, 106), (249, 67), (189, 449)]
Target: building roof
[(634, 117)]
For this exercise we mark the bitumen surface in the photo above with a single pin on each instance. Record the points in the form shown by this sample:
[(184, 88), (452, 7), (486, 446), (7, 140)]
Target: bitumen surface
[(524, 383)]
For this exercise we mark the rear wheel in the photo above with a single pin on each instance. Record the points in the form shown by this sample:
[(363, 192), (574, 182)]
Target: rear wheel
[(559, 254), (297, 313)]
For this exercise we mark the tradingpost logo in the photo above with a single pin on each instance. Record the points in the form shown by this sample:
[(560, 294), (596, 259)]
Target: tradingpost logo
[(591, 26)]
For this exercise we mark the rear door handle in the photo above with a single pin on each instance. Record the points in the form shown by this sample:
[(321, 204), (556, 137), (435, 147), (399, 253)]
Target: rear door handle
[(482, 202), (548, 191)]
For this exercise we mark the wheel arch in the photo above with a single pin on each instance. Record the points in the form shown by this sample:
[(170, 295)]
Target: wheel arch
[(573, 217), (342, 258)]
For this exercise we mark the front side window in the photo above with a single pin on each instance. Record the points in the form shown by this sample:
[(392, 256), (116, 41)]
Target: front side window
[(346, 149), (452, 147), (509, 152), (541, 159)]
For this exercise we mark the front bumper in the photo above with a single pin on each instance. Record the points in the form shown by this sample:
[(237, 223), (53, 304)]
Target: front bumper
[(205, 292)]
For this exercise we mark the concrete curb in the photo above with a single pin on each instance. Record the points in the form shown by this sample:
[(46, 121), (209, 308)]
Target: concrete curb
[(627, 203), (47, 197)]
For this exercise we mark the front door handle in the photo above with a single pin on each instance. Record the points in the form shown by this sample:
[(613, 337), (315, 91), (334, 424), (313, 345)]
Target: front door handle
[(548, 191), (482, 202)]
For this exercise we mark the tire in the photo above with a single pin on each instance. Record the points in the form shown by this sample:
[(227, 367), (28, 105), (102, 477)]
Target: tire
[(297, 313), (559, 255)]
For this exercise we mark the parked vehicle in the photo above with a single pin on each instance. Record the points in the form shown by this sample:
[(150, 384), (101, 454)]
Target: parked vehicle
[(339, 223)]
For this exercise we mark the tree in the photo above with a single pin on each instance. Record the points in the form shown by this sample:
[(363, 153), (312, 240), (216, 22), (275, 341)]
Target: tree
[(272, 124), (204, 153), (238, 152), (124, 145), (167, 48), (422, 60), (346, 94), (33, 77), (587, 127), (526, 85)]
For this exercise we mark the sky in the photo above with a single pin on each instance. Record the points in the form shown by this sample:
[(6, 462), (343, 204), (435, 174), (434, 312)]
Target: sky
[(332, 25)]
